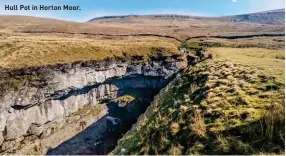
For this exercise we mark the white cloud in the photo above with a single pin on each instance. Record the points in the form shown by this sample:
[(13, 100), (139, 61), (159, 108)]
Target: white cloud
[(234, 1)]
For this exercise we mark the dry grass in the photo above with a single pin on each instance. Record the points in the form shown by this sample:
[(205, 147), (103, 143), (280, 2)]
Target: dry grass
[(174, 128), (270, 61), (124, 99), (75, 41), (18, 51), (198, 125), (273, 122), (186, 27), (179, 27), (12, 24), (261, 42)]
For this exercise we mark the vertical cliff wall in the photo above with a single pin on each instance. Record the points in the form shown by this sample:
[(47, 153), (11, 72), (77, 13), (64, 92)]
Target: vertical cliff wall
[(45, 99)]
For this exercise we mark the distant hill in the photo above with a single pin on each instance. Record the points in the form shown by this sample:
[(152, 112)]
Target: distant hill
[(178, 26), (276, 17), (145, 16)]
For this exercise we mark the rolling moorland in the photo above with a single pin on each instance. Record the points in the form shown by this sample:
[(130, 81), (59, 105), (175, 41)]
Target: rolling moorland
[(154, 84)]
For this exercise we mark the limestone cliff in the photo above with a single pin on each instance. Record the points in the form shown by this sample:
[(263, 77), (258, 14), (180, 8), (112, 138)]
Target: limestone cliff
[(47, 96)]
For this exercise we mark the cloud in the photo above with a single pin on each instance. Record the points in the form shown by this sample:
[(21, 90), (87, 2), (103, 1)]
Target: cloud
[(234, 1)]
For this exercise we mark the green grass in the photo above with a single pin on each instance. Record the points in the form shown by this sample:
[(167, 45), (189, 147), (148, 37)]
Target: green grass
[(215, 107), (124, 98), (271, 62)]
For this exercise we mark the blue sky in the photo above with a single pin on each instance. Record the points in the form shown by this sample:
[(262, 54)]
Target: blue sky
[(97, 8)]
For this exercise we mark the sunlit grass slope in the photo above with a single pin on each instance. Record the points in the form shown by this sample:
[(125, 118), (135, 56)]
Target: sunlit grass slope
[(269, 61), (227, 105), (32, 51)]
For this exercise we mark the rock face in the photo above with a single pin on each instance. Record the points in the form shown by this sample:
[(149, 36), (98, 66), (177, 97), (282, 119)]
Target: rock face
[(53, 94)]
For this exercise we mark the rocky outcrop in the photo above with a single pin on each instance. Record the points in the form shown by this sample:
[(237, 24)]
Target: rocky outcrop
[(49, 95)]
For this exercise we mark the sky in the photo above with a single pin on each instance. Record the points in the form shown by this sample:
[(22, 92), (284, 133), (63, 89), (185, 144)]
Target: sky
[(97, 8)]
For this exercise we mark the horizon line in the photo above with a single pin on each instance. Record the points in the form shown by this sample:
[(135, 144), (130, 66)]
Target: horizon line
[(128, 15)]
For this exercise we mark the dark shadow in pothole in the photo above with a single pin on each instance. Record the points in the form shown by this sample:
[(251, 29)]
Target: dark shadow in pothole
[(101, 137)]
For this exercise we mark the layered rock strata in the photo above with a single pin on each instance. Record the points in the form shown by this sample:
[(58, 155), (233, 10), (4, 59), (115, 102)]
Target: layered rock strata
[(49, 96)]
